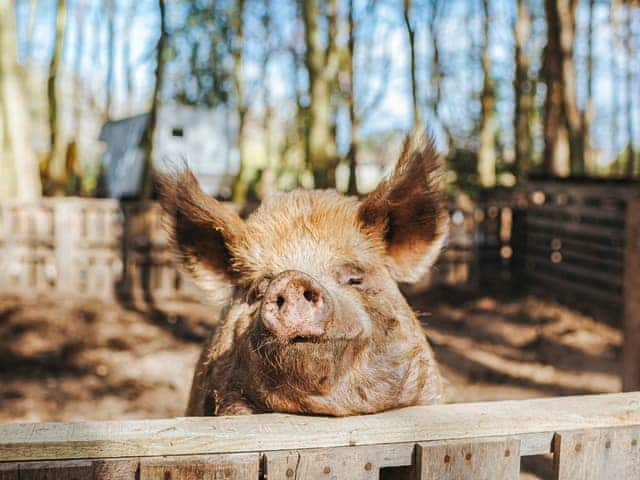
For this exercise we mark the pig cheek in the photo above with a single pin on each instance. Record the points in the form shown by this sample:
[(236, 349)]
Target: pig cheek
[(351, 318)]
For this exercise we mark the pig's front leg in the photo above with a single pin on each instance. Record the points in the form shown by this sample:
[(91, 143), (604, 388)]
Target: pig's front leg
[(236, 408), (220, 403)]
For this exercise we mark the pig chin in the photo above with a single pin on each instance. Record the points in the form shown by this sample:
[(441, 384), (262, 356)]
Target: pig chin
[(310, 364)]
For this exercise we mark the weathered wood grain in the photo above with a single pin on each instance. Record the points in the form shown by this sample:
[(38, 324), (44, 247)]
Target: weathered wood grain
[(481, 460), (631, 301), (209, 467), (65, 470), (349, 463), (116, 469), (597, 454), (8, 471), (533, 422)]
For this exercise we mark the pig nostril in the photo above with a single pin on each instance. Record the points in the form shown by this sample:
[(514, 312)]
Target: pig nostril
[(309, 296), (280, 301)]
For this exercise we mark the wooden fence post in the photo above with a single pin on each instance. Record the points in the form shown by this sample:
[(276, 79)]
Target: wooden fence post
[(631, 300), (67, 232)]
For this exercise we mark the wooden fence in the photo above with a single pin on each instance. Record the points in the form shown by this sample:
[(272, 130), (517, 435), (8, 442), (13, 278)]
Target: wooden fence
[(106, 249), (574, 246), (88, 247), (591, 437), (567, 239)]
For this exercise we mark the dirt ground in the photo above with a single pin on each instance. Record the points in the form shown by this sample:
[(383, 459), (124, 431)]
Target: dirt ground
[(70, 360)]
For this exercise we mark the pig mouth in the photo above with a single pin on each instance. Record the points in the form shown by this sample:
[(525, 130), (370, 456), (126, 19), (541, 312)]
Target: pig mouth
[(305, 339)]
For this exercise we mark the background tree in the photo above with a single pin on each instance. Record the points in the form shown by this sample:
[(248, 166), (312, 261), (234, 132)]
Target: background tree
[(244, 177), (148, 140), (321, 61), (19, 176), (523, 92), (110, 8), (411, 34), (55, 167), (563, 134), (487, 147), (630, 54)]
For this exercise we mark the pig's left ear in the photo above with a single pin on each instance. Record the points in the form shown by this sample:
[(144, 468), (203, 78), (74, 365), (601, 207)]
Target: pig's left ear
[(202, 231), (409, 211)]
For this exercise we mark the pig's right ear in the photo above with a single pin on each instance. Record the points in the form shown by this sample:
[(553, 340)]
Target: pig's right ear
[(408, 211), (202, 231)]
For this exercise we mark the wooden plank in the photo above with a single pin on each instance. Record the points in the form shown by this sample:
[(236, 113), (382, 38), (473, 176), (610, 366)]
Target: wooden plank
[(590, 275), (532, 421), (63, 470), (568, 286), (608, 216), (572, 255), (613, 250), (631, 301), (201, 467), (9, 471), (562, 226), (597, 454), (357, 463), (108, 469), (479, 460), (120, 469)]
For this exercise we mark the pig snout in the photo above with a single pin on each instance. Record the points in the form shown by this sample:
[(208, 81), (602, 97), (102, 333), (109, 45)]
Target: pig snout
[(296, 307)]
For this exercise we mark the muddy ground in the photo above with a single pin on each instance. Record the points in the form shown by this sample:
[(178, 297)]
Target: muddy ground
[(79, 360)]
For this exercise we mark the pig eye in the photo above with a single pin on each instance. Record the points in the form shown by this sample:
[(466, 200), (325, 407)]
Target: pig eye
[(351, 275)]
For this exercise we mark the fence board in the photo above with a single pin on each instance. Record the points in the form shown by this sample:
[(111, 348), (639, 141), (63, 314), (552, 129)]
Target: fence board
[(631, 302), (531, 421), (65, 470), (9, 471), (597, 454), (585, 230), (357, 463), (120, 469), (590, 276), (558, 284), (330, 464), (480, 460), (612, 252), (210, 467)]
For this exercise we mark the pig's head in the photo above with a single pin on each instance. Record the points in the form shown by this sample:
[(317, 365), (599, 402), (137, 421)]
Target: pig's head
[(315, 272)]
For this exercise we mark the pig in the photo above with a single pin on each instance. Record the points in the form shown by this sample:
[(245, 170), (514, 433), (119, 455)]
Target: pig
[(313, 319)]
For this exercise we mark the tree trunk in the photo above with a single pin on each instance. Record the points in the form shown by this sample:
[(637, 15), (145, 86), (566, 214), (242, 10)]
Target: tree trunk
[(631, 154), (567, 17), (436, 70), (18, 165), (587, 114), (321, 62), (523, 90), (33, 12), (270, 175), (487, 148), (352, 187), (148, 140), (411, 33), (56, 170), (126, 57), (244, 177), (615, 80), (111, 56), (556, 139), (79, 55)]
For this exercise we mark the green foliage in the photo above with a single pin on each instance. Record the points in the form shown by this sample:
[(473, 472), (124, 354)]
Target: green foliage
[(200, 49)]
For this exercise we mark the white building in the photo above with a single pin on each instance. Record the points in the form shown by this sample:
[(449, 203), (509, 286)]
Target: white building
[(203, 138)]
